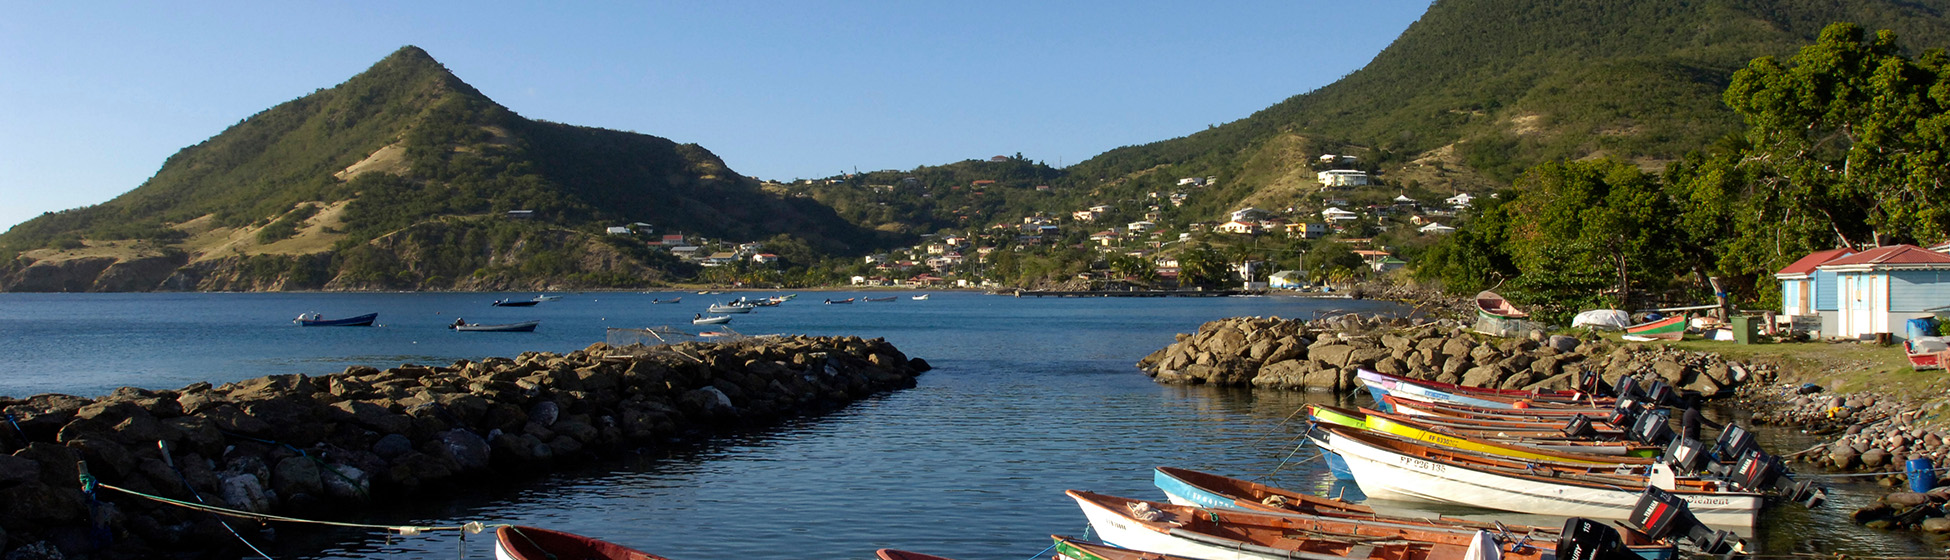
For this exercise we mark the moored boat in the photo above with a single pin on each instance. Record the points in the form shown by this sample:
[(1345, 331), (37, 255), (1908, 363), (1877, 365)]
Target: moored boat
[(314, 320), (1408, 429), (1198, 489), (514, 303), (1669, 328), (1488, 304), (524, 326), (1392, 468), (1071, 548), (679, 299), (729, 308), (838, 301), (1926, 352), (922, 297), (512, 542), (712, 320), (1540, 395), (1200, 533), (892, 554), (881, 299), (546, 297)]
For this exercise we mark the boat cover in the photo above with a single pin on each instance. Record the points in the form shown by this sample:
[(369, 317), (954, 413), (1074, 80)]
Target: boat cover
[(1608, 319)]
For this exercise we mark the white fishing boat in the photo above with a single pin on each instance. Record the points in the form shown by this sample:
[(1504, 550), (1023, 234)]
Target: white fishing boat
[(712, 320), (1392, 468), (922, 297), (730, 308)]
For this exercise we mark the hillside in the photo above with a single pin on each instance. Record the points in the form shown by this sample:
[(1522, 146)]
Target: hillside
[(1478, 90), (337, 177)]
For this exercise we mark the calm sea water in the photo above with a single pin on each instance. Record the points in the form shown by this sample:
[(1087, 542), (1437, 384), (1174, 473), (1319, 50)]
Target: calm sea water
[(1029, 397)]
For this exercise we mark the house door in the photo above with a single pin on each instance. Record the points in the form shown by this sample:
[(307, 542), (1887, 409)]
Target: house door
[(1855, 299), (1878, 303)]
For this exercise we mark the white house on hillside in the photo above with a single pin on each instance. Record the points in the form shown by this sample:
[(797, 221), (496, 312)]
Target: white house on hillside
[(1436, 227), (1342, 178), (1338, 215), (1460, 200)]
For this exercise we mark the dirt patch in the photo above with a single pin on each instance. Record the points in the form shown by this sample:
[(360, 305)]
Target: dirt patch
[(390, 159), (1527, 125)]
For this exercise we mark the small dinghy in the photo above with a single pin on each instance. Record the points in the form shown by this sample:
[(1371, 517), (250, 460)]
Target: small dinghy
[(838, 301), (524, 326), (313, 320), (671, 300), (532, 543), (712, 320), (922, 297), (511, 303)]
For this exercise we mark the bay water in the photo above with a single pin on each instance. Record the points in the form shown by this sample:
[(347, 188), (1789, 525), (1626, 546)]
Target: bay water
[(1029, 397)]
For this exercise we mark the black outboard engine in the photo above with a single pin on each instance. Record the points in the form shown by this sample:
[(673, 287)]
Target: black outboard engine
[(1652, 428), (1660, 394), (1585, 539), (1592, 384), (1662, 515), (1759, 472), (1580, 428), (1734, 441), (1624, 413), (1627, 387), (1688, 455)]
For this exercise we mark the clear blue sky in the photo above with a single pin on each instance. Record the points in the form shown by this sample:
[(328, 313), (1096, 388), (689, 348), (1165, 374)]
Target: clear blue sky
[(93, 96)]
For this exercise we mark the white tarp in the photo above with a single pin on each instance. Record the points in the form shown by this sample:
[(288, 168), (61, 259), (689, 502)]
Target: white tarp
[(1609, 319)]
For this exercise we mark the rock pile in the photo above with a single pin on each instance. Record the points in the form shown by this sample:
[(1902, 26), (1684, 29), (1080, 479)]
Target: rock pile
[(303, 446), (1323, 355)]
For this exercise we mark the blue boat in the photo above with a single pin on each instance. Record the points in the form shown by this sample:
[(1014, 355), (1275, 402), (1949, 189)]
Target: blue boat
[(313, 321)]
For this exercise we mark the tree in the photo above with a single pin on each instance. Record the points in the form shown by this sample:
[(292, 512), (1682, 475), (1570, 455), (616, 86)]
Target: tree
[(1588, 226), (1201, 265), (1849, 139)]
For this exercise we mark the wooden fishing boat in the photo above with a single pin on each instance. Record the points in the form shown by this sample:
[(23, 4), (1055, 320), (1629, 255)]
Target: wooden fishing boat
[(1540, 395), (1202, 533), (1393, 468), (712, 320), (1416, 390), (545, 297), (1071, 548), (314, 321), (892, 554), (1926, 352), (729, 308), (839, 301), (1192, 488), (513, 542), (524, 326), (1670, 328), (881, 299), (514, 303), (1394, 401), (1510, 426), (678, 299), (1408, 429), (1488, 304)]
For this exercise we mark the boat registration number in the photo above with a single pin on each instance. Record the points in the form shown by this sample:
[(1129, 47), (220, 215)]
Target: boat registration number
[(1422, 465)]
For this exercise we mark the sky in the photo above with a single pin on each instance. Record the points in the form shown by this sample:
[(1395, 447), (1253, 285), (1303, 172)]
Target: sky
[(95, 95)]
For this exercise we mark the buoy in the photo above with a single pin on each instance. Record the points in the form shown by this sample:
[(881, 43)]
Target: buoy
[(1521, 404)]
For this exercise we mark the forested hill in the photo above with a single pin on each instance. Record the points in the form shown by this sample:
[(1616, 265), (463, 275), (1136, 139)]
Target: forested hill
[(1510, 83), (401, 147)]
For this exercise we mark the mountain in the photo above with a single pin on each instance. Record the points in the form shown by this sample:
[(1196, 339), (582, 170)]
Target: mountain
[(402, 177), (1478, 90)]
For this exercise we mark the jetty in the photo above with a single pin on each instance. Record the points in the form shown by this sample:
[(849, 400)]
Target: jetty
[(133, 463)]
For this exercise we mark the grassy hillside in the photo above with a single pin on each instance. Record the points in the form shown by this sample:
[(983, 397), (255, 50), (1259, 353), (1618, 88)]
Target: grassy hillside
[(407, 143), (1506, 84)]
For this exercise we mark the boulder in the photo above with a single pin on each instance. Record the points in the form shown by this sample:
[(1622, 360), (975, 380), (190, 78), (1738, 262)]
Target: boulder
[(296, 475), (1482, 376), (1669, 370), (1335, 355), (468, 450)]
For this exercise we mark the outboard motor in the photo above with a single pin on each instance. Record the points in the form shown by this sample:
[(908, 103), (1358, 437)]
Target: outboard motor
[(1734, 441), (1688, 455), (1660, 393), (1585, 539), (1624, 413), (1759, 472), (1580, 428), (1652, 428), (1627, 387), (1662, 515), (1593, 384)]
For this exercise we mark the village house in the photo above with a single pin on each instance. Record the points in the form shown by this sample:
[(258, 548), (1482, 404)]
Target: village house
[(1141, 226), (1309, 230), (1104, 238), (1874, 291), (765, 258), (618, 230), (1239, 227), (1086, 215), (1248, 214), (1435, 227), (1460, 200), (1332, 214), (1342, 178), (1287, 280)]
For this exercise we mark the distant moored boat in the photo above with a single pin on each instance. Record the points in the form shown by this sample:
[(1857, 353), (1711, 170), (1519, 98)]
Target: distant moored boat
[(314, 321)]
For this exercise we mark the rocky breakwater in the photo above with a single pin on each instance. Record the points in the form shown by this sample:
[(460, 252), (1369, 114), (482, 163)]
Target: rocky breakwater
[(315, 447), (1324, 354)]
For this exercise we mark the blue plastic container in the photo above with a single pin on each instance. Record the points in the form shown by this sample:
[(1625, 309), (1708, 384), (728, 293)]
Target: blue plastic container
[(1925, 326), (1922, 475)]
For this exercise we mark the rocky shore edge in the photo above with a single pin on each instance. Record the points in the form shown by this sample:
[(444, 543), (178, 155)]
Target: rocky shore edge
[(1324, 354), (1874, 435), (317, 447)]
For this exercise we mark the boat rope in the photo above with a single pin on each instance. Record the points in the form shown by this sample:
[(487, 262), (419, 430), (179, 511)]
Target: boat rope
[(89, 484), (1052, 546), (1289, 457), (16, 424), (322, 465), (471, 527)]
